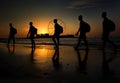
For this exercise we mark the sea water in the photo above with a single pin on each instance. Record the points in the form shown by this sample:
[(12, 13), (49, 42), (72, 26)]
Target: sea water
[(63, 41)]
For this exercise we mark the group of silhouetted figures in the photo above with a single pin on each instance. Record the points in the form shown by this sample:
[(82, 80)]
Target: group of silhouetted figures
[(108, 26)]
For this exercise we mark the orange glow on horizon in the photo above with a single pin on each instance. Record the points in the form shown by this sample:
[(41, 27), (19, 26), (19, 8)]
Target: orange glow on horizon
[(42, 27), (43, 31)]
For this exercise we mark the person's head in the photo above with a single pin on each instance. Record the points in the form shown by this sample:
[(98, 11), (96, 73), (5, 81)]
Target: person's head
[(104, 14), (31, 23), (80, 18), (10, 24), (55, 20)]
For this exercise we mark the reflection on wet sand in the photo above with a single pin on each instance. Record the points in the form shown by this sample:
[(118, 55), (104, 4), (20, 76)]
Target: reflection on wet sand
[(11, 49), (60, 63), (55, 59), (82, 63), (32, 54), (40, 54), (108, 57)]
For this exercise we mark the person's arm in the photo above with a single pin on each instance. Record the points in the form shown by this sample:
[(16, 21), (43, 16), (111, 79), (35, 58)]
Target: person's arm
[(28, 33), (77, 32)]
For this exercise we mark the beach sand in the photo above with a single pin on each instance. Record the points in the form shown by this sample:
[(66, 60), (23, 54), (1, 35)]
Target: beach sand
[(44, 64)]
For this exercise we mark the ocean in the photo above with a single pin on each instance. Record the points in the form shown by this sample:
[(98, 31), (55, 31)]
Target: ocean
[(63, 41)]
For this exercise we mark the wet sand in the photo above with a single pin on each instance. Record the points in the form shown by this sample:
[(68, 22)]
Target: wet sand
[(46, 65)]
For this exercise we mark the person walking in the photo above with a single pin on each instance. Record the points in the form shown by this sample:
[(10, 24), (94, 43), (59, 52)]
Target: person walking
[(57, 31), (12, 33), (31, 34), (83, 29), (108, 27)]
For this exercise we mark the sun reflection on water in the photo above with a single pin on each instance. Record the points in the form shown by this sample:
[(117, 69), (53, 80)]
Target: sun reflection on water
[(43, 55)]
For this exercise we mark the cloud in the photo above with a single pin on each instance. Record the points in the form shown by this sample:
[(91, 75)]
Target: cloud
[(82, 4), (78, 4)]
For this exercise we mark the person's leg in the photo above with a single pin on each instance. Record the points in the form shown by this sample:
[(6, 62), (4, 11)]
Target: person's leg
[(58, 42), (104, 43), (9, 40), (33, 42), (86, 42), (78, 44), (53, 38), (13, 40), (111, 42), (105, 39)]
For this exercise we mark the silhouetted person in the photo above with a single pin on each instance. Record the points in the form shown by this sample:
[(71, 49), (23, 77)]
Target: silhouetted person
[(83, 29), (12, 33), (57, 33), (108, 26), (31, 34), (82, 63), (55, 59)]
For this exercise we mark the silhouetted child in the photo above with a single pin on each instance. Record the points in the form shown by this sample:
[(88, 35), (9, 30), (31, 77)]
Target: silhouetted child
[(108, 26), (31, 34), (12, 33), (83, 29), (57, 32)]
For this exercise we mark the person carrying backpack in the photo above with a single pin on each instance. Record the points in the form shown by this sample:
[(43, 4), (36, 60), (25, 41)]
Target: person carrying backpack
[(31, 34), (108, 26), (83, 29), (58, 29), (12, 34)]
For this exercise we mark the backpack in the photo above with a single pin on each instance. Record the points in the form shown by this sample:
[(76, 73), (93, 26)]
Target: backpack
[(86, 27), (35, 30), (60, 29), (111, 25), (14, 31)]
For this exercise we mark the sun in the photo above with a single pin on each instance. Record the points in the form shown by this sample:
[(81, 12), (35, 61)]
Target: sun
[(43, 31)]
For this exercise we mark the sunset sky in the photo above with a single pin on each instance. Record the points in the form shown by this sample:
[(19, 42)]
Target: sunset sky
[(41, 12)]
